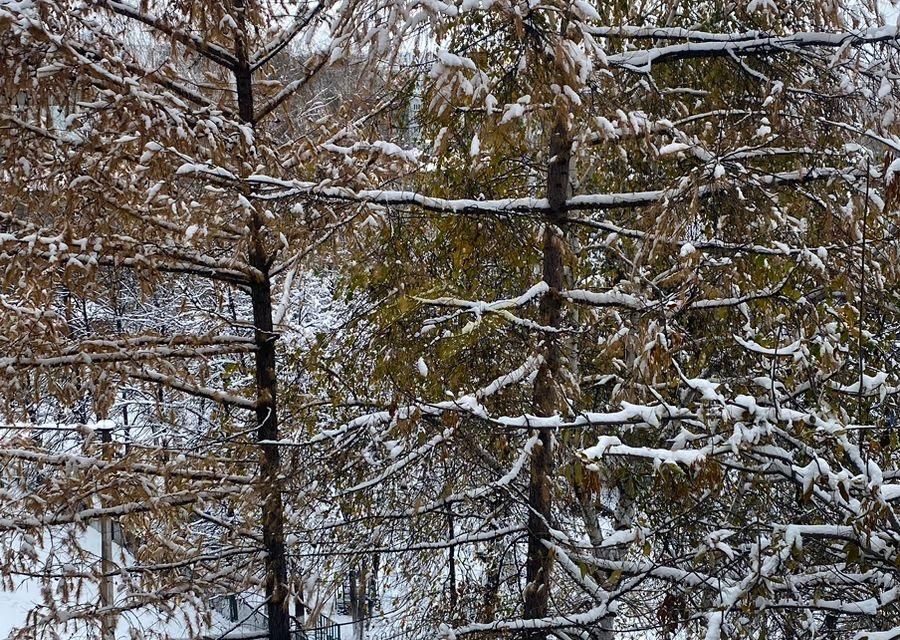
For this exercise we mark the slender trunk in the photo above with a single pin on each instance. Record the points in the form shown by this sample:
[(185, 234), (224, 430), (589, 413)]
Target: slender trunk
[(354, 602), (491, 590), (299, 608), (451, 561), (108, 621), (232, 608), (604, 629), (277, 608), (362, 601), (547, 398), (376, 563)]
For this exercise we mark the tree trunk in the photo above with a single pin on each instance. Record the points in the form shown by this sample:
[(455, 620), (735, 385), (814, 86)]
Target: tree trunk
[(604, 629), (277, 605), (354, 604), (451, 561), (491, 589), (270, 468), (547, 399), (361, 613), (108, 621)]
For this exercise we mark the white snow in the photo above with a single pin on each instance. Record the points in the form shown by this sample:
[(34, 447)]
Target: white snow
[(675, 147)]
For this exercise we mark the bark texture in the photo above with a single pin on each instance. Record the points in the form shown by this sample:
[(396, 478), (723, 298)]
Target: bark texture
[(277, 603), (547, 399)]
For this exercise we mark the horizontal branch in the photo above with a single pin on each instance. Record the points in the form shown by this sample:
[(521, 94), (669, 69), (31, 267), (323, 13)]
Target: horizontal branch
[(633, 32), (270, 188), (140, 506), (88, 358), (500, 308), (216, 395), (205, 48), (99, 465), (621, 300), (742, 46)]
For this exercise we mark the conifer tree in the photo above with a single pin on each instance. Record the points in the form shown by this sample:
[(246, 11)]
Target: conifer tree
[(661, 242), (143, 266)]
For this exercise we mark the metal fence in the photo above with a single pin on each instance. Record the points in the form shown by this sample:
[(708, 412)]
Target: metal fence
[(250, 614)]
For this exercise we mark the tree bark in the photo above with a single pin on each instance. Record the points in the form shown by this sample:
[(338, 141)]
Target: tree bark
[(354, 604), (361, 612), (547, 398), (270, 467), (108, 621), (451, 561), (604, 629), (277, 605)]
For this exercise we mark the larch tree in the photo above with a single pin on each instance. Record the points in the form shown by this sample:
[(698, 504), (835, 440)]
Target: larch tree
[(657, 397), (147, 278)]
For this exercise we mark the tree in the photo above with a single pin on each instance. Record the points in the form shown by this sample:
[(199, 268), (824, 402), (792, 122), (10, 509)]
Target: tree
[(132, 136), (702, 372)]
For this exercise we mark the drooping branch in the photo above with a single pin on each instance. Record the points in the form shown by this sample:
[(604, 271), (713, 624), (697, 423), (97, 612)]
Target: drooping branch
[(205, 48)]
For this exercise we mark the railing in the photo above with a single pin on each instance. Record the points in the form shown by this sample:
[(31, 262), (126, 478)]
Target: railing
[(237, 609), (325, 629)]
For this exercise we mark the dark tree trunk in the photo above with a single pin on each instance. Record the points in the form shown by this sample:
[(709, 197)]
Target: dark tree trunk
[(277, 605), (451, 561), (270, 467), (107, 588), (491, 591), (547, 398), (355, 603)]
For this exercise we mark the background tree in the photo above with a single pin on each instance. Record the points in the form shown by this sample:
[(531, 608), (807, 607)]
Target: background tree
[(699, 305)]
